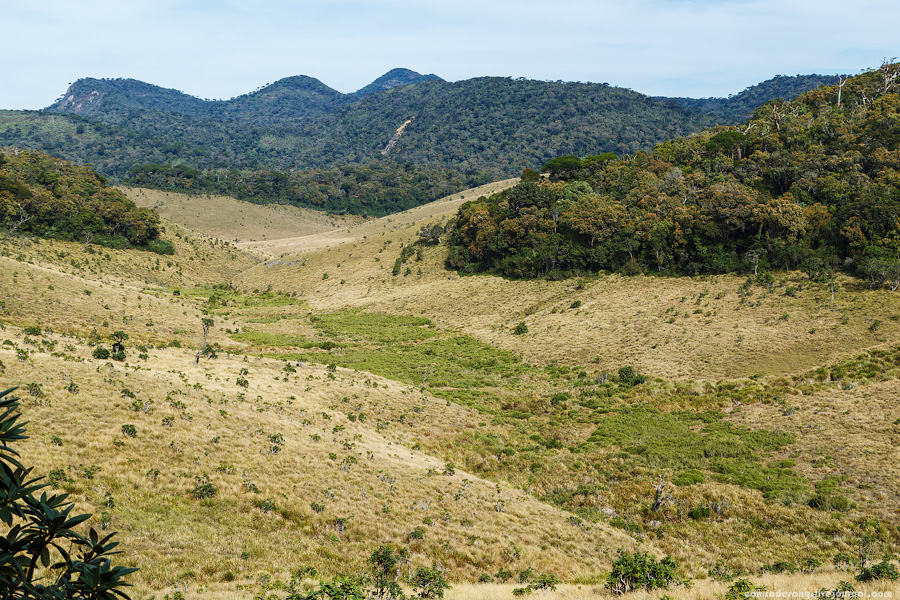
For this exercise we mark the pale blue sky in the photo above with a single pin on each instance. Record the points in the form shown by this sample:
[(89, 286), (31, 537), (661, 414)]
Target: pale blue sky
[(224, 48)]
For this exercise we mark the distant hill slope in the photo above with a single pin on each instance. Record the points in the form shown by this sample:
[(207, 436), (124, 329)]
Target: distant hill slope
[(275, 141), (740, 107), (394, 78), (493, 125)]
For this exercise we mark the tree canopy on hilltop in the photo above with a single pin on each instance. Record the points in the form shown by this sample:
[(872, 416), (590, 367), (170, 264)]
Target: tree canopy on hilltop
[(806, 183)]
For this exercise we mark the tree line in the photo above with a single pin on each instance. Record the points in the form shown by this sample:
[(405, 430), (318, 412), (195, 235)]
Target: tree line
[(49, 197), (813, 183)]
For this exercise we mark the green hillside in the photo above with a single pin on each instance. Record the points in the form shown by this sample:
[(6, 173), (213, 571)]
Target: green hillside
[(740, 107), (483, 128), (809, 184), (49, 197)]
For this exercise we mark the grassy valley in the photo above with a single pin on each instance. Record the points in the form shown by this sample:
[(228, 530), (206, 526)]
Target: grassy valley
[(368, 407), (683, 362)]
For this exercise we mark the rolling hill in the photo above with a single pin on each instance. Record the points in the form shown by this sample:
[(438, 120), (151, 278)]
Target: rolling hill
[(455, 134), (362, 394)]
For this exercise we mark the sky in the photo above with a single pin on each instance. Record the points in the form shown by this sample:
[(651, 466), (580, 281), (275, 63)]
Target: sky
[(219, 49)]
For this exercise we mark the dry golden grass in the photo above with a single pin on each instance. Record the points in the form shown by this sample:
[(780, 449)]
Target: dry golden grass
[(850, 434), (790, 586), (697, 328), (412, 219), (666, 327), (234, 220)]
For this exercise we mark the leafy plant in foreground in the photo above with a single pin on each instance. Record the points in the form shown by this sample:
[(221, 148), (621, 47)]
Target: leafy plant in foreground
[(41, 554)]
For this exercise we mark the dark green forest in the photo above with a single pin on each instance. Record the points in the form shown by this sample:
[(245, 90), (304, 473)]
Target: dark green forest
[(49, 197), (372, 189), (739, 107), (300, 142), (813, 183)]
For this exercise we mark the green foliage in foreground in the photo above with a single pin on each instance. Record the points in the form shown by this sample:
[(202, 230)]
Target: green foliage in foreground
[(49, 197), (41, 533)]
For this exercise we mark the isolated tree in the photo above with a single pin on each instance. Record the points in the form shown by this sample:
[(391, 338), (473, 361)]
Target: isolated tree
[(205, 349), (41, 553)]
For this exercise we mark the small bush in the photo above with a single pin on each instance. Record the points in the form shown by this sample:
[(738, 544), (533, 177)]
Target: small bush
[(780, 566), (639, 570), (429, 583), (203, 488), (100, 353), (742, 589), (699, 512), (521, 329), (883, 570), (160, 246), (629, 378), (689, 477), (129, 430)]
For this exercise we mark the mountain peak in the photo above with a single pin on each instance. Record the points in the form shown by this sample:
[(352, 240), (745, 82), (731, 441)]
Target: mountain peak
[(394, 78)]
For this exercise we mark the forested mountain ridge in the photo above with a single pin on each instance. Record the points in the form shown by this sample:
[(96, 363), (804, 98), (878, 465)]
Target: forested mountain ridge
[(113, 101), (459, 133), (394, 78), (811, 183), (740, 107)]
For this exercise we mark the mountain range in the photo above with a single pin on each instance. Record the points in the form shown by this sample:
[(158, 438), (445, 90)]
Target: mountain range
[(454, 134)]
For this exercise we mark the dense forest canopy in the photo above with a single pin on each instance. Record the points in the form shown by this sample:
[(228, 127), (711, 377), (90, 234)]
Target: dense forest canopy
[(812, 183), (50, 197), (740, 107), (372, 189), (324, 149)]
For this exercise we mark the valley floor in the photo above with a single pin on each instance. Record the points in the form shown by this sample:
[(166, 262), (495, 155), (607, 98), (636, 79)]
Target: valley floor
[(362, 395)]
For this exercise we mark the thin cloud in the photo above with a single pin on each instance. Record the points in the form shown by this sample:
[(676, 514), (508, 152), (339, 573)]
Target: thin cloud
[(223, 48)]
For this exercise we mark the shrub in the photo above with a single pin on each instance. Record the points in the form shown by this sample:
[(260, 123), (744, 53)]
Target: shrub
[(780, 566), (203, 488), (32, 330), (699, 512), (689, 477), (129, 430), (161, 246), (546, 582), (385, 563), (809, 565), (639, 570), (629, 378), (100, 353), (36, 529), (741, 589), (883, 570), (521, 329)]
